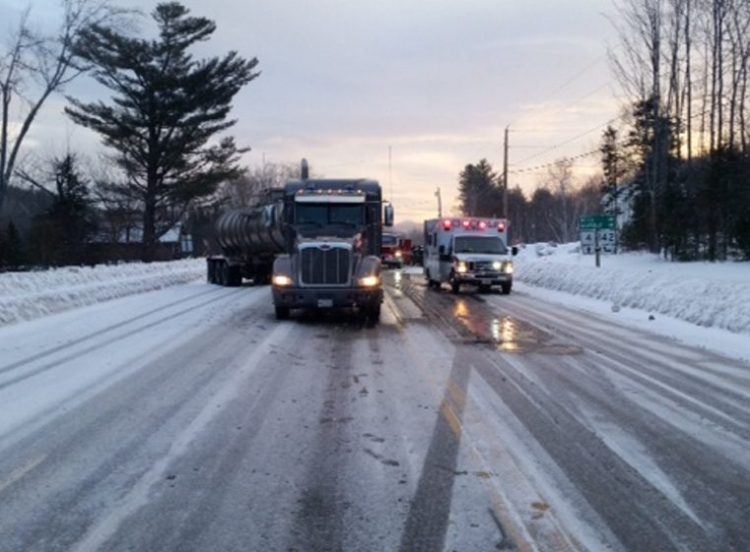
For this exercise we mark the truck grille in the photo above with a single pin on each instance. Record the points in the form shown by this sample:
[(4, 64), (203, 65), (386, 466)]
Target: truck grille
[(482, 266), (325, 266)]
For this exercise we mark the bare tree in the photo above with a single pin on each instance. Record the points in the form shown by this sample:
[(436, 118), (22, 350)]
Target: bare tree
[(560, 181), (36, 65), (248, 188)]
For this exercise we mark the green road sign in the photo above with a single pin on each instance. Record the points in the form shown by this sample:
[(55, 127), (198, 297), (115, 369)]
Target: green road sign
[(597, 222)]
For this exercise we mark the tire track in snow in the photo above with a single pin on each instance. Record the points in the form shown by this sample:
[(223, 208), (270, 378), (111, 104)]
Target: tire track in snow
[(100, 345)]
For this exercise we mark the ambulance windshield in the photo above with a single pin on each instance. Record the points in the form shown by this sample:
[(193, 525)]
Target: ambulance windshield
[(480, 244)]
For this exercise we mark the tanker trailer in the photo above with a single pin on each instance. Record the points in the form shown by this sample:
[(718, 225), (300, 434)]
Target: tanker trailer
[(249, 238)]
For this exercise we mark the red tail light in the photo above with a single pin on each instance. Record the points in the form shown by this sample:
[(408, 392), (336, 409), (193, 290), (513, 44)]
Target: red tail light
[(482, 225), (501, 227), (466, 224), (447, 224)]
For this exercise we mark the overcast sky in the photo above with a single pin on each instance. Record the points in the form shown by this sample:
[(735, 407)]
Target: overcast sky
[(437, 81)]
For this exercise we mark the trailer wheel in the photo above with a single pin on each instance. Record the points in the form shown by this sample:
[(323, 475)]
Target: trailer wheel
[(222, 270), (430, 282), (210, 271), (282, 313), (234, 276)]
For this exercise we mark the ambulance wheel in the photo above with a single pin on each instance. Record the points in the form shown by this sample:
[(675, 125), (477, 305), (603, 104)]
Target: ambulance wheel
[(430, 282)]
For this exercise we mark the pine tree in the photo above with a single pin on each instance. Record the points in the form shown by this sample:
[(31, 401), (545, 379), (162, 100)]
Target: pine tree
[(479, 194), (613, 167), (61, 234), (166, 114)]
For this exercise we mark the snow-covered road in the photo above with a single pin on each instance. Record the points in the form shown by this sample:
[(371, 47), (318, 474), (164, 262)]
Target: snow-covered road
[(189, 419)]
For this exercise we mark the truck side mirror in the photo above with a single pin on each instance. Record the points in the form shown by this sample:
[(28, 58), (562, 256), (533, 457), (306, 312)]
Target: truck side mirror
[(388, 215), (514, 250)]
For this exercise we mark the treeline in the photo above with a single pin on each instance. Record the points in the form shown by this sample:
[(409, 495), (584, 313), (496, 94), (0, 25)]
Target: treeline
[(681, 168), (70, 216), (550, 214)]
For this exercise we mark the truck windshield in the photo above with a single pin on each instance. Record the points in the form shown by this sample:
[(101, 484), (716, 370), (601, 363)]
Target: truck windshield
[(476, 244), (326, 213)]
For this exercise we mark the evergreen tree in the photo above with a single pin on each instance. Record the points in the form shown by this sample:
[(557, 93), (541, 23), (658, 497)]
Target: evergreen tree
[(62, 233), (479, 194), (166, 114), (614, 169), (648, 137)]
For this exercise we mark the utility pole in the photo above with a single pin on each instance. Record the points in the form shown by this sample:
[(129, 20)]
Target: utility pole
[(440, 203), (505, 174), (390, 179)]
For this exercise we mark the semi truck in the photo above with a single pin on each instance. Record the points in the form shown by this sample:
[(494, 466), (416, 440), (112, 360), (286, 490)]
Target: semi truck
[(316, 241), (468, 251)]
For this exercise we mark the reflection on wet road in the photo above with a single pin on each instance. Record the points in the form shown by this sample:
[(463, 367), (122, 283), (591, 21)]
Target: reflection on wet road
[(475, 321)]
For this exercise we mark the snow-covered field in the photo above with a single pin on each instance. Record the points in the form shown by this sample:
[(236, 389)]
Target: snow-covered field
[(712, 295), (29, 295)]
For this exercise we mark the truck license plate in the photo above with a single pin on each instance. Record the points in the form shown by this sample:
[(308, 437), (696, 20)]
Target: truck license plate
[(325, 303)]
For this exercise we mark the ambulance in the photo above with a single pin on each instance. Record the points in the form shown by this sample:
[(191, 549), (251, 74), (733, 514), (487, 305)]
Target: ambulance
[(468, 251)]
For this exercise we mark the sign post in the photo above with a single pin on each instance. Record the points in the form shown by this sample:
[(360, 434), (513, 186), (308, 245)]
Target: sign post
[(597, 235)]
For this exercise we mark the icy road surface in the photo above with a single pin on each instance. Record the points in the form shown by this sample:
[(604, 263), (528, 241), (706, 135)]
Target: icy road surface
[(189, 419)]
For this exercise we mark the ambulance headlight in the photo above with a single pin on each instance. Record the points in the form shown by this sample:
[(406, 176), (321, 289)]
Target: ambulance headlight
[(462, 267)]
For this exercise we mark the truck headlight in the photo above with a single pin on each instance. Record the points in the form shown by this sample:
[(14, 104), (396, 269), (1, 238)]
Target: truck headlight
[(369, 281), (281, 280), (462, 267), (399, 254), (497, 265), (508, 268)]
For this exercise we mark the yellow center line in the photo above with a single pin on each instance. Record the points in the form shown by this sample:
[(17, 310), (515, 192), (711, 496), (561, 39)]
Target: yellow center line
[(501, 505)]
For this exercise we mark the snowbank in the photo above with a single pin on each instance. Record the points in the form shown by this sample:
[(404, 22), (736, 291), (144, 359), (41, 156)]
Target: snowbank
[(28, 295), (713, 295)]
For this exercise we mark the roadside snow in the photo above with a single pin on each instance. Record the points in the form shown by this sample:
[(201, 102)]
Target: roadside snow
[(712, 295), (29, 295)]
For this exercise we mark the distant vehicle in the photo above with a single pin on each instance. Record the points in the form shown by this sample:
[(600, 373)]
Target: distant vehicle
[(316, 241), (390, 251), (468, 250), (404, 245)]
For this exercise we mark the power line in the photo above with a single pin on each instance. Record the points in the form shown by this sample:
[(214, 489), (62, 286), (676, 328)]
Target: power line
[(538, 168), (565, 142)]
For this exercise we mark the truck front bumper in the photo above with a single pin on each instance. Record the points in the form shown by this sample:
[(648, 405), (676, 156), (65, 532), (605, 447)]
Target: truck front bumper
[(326, 298)]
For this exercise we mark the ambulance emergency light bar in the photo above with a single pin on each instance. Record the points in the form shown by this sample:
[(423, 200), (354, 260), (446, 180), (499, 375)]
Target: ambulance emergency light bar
[(471, 224)]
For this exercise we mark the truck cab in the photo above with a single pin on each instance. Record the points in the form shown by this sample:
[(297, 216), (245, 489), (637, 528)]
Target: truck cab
[(468, 251), (333, 233)]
